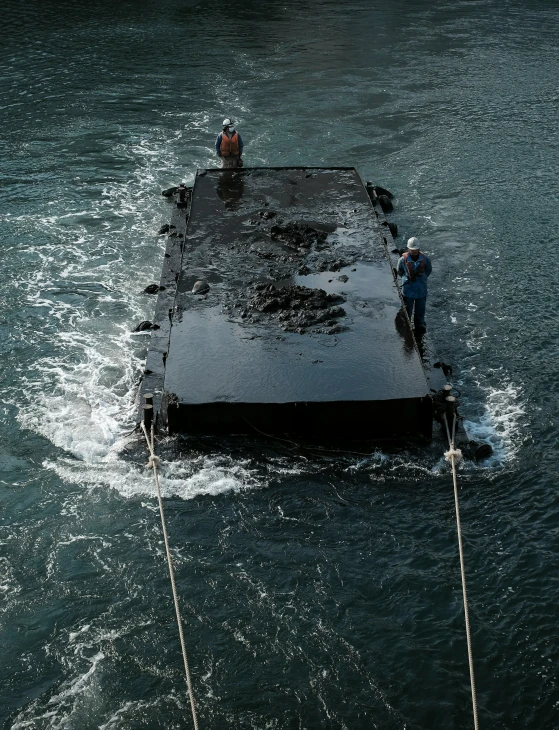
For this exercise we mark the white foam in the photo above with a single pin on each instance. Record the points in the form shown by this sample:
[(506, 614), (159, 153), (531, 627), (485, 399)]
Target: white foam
[(73, 695), (187, 479), (500, 423), (9, 586), (129, 711), (92, 263), (374, 460)]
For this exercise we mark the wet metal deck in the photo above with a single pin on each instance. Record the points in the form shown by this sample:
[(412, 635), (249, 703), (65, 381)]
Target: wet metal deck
[(232, 368)]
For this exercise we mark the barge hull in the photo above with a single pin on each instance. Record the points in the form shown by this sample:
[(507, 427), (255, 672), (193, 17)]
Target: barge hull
[(231, 361), (328, 421)]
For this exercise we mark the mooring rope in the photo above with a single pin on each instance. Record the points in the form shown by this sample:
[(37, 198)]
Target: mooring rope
[(453, 455), (154, 463)]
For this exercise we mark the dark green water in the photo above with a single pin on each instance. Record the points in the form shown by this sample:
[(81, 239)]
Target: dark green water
[(316, 593)]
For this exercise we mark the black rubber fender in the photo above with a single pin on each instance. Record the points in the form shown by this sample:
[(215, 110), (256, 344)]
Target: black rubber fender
[(385, 203), (393, 229), (146, 325), (382, 191), (143, 326), (483, 452), (153, 289)]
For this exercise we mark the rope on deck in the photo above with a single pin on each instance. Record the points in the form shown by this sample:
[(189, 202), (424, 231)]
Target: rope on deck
[(154, 463), (454, 455)]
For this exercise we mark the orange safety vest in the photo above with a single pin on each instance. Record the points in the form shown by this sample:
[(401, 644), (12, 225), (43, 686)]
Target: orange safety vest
[(409, 264), (229, 146)]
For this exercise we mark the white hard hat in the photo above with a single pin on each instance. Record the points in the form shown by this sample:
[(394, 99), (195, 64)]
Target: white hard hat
[(413, 244), (227, 122)]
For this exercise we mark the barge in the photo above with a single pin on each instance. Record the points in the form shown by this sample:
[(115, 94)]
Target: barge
[(278, 312)]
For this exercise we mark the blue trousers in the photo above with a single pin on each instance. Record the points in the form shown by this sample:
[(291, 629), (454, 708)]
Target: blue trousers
[(419, 314)]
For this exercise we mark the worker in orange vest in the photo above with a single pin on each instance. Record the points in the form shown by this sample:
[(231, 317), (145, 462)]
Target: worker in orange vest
[(229, 145)]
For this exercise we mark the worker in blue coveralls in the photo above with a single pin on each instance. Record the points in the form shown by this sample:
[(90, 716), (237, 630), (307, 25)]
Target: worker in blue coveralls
[(414, 268)]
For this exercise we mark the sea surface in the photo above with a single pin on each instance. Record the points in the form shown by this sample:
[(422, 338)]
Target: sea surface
[(319, 590)]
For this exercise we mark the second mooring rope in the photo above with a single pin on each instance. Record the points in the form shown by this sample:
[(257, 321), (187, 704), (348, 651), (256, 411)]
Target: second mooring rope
[(154, 463), (453, 455)]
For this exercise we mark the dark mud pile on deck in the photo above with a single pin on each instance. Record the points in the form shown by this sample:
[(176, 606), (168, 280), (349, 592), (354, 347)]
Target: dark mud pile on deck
[(295, 247), (299, 235), (295, 308)]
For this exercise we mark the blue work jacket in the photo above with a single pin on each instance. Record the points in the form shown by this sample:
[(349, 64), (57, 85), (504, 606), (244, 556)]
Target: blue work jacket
[(414, 289)]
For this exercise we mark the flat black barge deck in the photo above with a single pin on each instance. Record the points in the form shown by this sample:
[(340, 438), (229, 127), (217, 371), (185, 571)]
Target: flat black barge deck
[(301, 330)]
